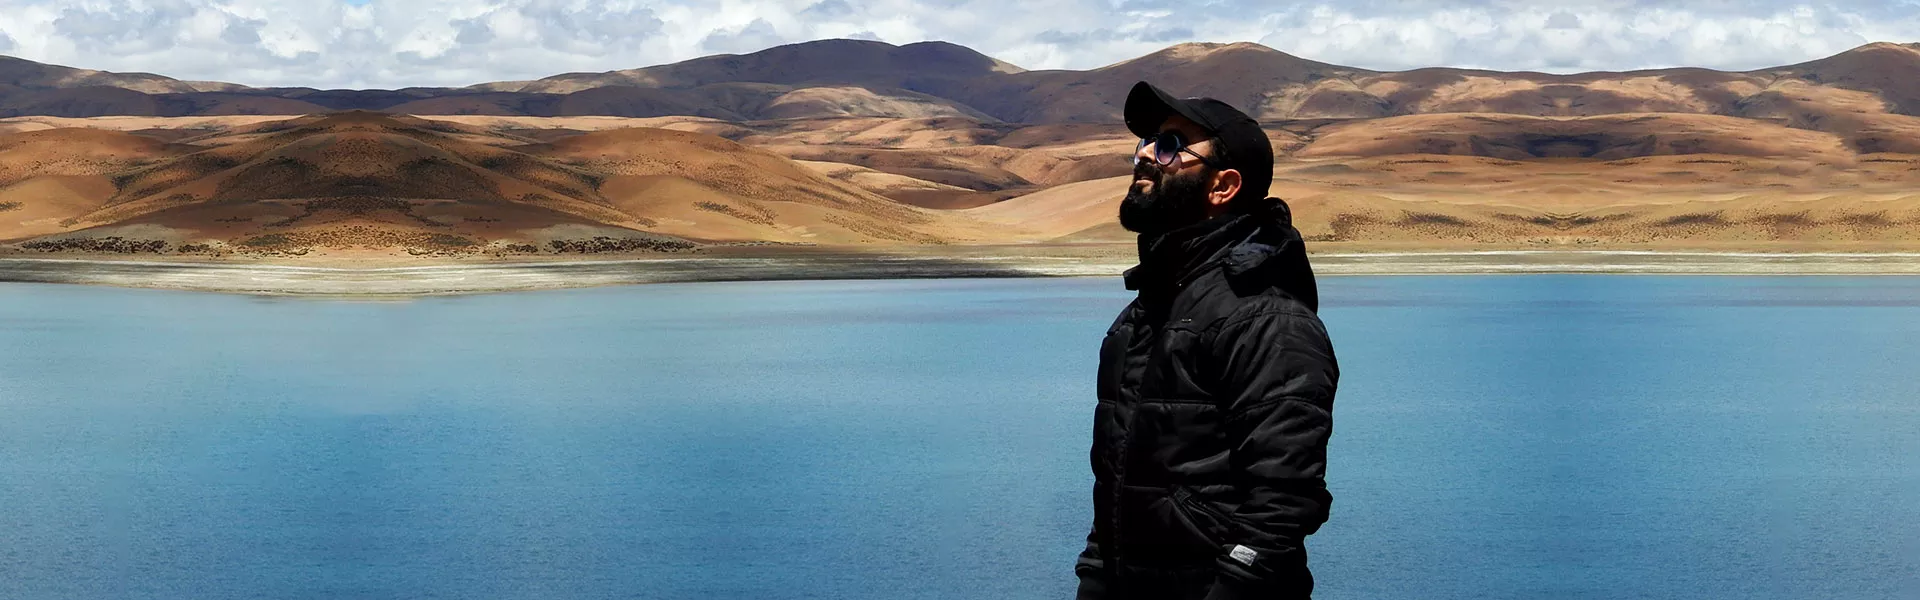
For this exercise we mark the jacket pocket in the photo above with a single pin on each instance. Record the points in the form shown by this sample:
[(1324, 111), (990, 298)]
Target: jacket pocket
[(1203, 524)]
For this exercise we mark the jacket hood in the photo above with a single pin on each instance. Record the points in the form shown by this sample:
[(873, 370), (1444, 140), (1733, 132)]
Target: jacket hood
[(1257, 249)]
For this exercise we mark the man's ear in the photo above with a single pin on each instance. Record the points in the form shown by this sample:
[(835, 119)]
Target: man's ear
[(1226, 184)]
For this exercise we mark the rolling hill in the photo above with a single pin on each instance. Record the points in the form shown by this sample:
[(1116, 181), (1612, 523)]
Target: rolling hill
[(830, 78), (860, 143), (372, 182)]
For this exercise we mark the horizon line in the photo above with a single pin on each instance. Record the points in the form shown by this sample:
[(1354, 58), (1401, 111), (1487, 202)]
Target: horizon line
[(1907, 45)]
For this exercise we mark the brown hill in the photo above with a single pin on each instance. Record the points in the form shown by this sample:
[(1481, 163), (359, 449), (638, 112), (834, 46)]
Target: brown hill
[(32, 75), (676, 176), (1889, 71), (50, 175), (830, 62), (87, 101), (832, 78), (846, 142), (1603, 138), (1245, 75), (362, 182)]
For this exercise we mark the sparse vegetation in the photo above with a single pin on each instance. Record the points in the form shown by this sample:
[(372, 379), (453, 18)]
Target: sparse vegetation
[(109, 244), (1561, 222), (600, 243), (1415, 219), (765, 217), (1692, 219), (875, 229), (265, 241), (1344, 227), (1780, 225), (449, 241), (1874, 220)]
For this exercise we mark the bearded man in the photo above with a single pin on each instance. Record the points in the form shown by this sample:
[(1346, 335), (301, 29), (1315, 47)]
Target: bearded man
[(1216, 383)]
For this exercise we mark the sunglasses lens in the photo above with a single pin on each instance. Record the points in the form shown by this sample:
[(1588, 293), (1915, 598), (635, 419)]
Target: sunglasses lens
[(1167, 146)]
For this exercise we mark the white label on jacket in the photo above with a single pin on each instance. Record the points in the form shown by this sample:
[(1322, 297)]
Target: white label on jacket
[(1243, 554)]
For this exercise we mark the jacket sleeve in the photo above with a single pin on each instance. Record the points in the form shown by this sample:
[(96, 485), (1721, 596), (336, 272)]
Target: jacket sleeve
[(1091, 566), (1277, 374), (1091, 569)]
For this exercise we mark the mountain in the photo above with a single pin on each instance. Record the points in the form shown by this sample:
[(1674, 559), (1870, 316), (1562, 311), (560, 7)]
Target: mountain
[(824, 78), (1890, 72), (374, 182), (18, 73), (847, 142), (859, 78), (820, 63)]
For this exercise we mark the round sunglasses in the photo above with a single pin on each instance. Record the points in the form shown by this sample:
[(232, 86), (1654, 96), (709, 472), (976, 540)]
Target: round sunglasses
[(1168, 146)]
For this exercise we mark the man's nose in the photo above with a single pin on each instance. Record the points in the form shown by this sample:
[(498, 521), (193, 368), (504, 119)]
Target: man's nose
[(1144, 152)]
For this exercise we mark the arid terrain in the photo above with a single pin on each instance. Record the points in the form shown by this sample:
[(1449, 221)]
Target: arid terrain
[(932, 149)]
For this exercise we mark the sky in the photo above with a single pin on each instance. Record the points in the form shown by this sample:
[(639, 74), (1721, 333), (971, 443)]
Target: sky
[(392, 43)]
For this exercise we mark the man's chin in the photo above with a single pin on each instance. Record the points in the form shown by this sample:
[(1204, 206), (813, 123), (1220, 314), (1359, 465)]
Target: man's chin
[(1135, 218)]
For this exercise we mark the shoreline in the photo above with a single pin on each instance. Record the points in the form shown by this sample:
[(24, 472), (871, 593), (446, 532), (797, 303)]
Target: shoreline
[(493, 277)]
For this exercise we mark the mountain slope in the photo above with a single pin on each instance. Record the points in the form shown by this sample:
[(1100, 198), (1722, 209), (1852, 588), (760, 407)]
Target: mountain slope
[(830, 78), (365, 182)]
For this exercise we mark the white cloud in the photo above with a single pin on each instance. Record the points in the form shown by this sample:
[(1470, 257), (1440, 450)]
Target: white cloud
[(395, 43), (757, 35)]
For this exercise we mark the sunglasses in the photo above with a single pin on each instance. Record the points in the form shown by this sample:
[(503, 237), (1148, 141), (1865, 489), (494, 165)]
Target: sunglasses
[(1167, 146)]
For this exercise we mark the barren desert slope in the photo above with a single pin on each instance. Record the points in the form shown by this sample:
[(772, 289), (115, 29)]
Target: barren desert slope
[(928, 149)]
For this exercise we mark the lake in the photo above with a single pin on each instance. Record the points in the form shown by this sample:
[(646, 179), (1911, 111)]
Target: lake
[(1495, 437)]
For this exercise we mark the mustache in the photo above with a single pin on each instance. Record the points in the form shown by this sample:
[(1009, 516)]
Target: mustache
[(1146, 170)]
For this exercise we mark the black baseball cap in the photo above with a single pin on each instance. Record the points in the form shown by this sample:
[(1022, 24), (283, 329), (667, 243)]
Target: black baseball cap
[(1248, 150)]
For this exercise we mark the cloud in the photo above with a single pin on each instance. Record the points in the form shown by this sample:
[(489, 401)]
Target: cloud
[(471, 31), (586, 28), (758, 35), (391, 44), (828, 9), (242, 32), (123, 27)]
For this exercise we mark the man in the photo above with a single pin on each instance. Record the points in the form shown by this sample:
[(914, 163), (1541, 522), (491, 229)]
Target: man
[(1216, 383)]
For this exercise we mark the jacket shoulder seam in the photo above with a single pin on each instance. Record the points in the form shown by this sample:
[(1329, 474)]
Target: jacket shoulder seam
[(1244, 411), (1236, 319)]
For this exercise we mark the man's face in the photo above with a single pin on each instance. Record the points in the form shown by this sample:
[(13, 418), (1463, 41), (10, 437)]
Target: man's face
[(1167, 197)]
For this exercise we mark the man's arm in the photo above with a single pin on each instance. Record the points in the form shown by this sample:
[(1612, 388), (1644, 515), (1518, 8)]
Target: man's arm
[(1278, 374), (1091, 569)]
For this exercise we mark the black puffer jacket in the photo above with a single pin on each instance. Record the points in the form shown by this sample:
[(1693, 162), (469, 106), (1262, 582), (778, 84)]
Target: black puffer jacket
[(1215, 404)]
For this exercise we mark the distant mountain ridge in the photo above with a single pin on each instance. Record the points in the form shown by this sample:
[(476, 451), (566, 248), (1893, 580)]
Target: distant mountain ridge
[(838, 78), (861, 143)]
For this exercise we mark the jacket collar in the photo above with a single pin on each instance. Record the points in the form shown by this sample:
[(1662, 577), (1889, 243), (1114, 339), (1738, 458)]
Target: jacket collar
[(1170, 257), (1258, 248)]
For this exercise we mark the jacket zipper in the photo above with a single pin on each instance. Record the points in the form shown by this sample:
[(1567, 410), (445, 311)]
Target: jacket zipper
[(1183, 500)]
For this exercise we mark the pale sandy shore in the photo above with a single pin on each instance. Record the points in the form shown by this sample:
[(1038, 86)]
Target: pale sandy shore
[(401, 281)]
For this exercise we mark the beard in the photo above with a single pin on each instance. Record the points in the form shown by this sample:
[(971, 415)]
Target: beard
[(1176, 201)]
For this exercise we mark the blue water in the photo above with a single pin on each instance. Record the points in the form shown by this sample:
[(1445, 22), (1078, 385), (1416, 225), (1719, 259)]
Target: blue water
[(1495, 437)]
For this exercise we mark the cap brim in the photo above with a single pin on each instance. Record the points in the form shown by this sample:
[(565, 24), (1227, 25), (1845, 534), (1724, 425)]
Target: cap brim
[(1148, 106)]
